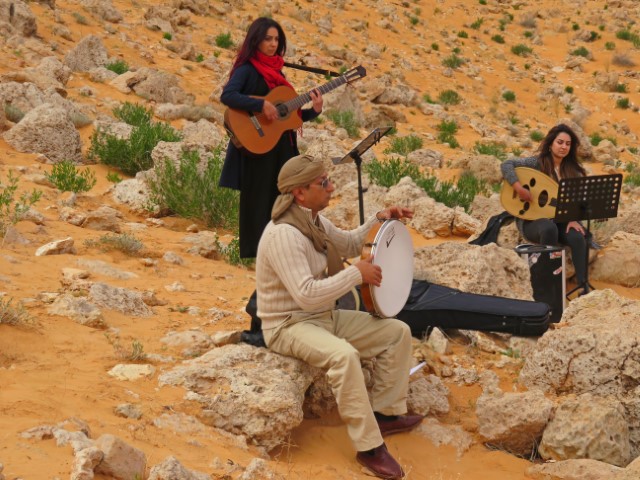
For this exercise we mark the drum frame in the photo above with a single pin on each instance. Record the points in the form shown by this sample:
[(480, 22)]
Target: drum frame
[(369, 249)]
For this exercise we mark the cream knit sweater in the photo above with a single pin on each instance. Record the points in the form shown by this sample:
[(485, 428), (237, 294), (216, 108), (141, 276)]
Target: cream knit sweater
[(291, 274)]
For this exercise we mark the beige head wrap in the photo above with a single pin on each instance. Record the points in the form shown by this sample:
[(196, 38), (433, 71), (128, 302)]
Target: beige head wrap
[(297, 172)]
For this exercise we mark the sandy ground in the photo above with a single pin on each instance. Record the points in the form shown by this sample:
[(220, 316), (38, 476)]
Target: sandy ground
[(55, 369)]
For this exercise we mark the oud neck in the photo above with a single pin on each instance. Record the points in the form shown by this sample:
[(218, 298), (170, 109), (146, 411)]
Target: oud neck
[(300, 100)]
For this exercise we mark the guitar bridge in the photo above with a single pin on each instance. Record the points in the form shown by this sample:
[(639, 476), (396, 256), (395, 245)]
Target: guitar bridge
[(256, 124)]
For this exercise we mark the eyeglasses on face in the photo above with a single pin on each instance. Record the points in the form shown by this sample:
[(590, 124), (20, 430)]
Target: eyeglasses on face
[(324, 183)]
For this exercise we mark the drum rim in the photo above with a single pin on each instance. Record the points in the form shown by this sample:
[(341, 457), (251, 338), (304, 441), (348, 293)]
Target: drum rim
[(372, 288)]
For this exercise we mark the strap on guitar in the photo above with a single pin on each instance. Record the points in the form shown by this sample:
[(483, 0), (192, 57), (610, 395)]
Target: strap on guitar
[(319, 71)]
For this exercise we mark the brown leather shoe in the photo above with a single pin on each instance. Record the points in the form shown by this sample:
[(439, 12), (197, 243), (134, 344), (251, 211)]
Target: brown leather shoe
[(380, 462), (402, 423)]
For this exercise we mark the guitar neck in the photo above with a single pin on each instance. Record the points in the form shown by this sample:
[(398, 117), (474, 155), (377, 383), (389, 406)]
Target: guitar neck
[(300, 100)]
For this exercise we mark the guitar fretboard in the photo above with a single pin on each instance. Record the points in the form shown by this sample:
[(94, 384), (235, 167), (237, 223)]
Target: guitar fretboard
[(295, 103)]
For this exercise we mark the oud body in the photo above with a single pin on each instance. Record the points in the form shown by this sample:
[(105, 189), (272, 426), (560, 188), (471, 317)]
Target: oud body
[(544, 193)]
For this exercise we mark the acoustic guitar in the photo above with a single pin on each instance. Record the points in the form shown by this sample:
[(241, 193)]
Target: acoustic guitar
[(544, 193), (254, 132)]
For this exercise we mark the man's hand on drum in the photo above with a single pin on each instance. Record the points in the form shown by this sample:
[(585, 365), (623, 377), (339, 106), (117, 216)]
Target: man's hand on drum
[(394, 212), (371, 274)]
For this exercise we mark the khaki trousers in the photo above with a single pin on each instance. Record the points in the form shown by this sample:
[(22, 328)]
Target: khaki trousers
[(336, 341)]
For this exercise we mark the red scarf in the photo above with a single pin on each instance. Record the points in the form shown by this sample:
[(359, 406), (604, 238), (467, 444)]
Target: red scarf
[(269, 68)]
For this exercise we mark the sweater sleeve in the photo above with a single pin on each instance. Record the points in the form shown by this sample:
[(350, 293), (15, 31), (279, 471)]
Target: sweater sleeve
[(508, 167), (235, 93)]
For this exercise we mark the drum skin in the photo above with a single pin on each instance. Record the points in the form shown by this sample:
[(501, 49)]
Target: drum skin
[(390, 245)]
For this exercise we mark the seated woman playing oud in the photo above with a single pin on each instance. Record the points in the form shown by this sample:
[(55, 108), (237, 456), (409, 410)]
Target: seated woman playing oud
[(557, 158)]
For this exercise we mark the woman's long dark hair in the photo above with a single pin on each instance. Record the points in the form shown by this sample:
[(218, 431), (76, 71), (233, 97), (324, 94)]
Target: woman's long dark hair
[(255, 34), (570, 167)]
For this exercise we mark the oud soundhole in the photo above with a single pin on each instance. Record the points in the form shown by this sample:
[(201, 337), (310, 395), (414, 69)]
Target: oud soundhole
[(532, 182), (543, 198), (524, 208)]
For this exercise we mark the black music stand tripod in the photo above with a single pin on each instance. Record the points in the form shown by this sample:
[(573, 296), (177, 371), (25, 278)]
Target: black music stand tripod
[(355, 156), (588, 198)]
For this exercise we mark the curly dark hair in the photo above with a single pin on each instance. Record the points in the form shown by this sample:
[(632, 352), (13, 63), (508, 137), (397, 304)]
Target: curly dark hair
[(570, 167), (255, 34)]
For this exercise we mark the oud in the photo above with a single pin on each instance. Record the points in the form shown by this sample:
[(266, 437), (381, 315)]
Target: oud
[(258, 134), (544, 193)]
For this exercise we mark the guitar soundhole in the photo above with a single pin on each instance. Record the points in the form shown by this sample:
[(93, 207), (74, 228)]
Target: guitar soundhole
[(543, 198), (282, 110)]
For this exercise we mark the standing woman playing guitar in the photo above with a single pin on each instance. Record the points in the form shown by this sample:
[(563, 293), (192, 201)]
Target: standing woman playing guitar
[(557, 158), (256, 71)]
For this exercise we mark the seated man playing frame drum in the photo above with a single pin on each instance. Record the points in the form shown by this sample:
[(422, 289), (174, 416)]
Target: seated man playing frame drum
[(300, 275)]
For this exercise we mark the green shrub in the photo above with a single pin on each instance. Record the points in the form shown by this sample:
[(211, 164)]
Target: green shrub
[(435, 46), (123, 242), (610, 46), (133, 114), (596, 138), (454, 194), (131, 155), (528, 34), (449, 97), (633, 179), (390, 172), (345, 119), (113, 177), (231, 253), (447, 131), (427, 99), (575, 27), (498, 38), (495, 149), (580, 52), (190, 189), (117, 66), (568, 89), (404, 145), (223, 40), (81, 19), (67, 178), (200, 58), (621, 88), (453, 61), (623, 103), (414, 20), (625, 34), (463, 34), (477, 24), (536, 135), (12, 210), (521, 50), (167, 36), (482, 2), (509, 96)]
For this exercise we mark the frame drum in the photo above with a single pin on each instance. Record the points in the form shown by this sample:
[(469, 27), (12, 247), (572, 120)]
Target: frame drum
[(390, 245)]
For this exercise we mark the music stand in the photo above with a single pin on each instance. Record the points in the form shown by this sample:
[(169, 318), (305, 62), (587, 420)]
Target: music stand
[(355, 156), (588, 198)]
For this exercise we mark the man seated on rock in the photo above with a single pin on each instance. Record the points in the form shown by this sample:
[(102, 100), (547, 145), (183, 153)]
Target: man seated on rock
[(300, 275)]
